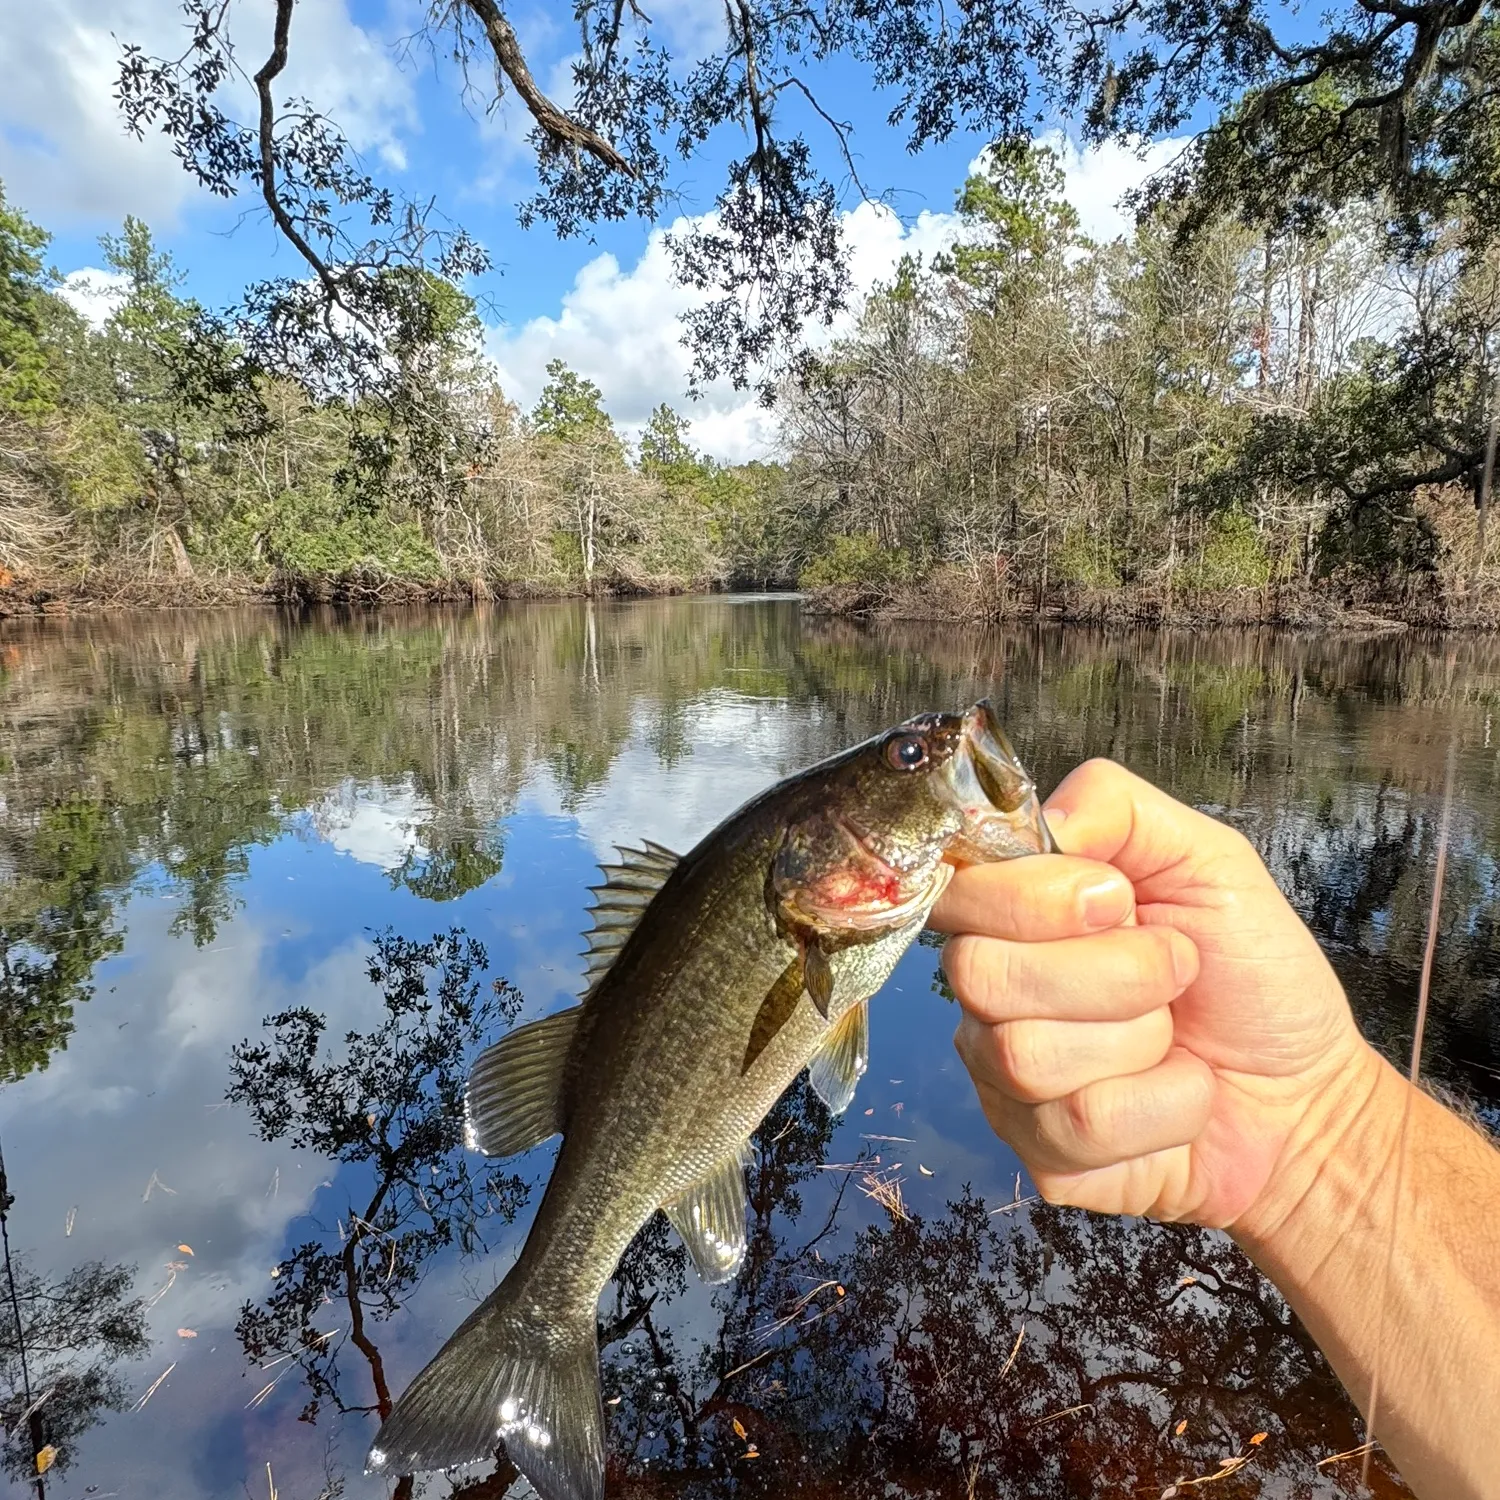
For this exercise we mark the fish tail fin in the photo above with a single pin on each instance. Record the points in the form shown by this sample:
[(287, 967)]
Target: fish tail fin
[(507, 1376)]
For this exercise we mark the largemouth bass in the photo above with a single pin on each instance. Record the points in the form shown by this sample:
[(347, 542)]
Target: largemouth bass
[(716, 978)]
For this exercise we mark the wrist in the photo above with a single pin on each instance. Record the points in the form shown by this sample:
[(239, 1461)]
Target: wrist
[(1334, 1159)]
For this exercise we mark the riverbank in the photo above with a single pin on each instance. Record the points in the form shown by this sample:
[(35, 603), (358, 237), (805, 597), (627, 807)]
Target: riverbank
[(1331, 608), (102, 590), (941, 600)]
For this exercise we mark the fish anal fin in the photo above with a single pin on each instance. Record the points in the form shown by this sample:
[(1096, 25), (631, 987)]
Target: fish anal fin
[(775, 1011), (710, 1217), (514, 1099), (839, 1064), (628, 889)]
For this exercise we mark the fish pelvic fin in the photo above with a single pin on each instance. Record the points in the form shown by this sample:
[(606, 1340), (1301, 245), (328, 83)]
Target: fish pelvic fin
[(839, 1064), (505, 1379), (628, 889), (514, 1098), (710, 1217)]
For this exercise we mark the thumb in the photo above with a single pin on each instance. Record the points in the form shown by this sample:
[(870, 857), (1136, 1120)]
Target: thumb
[(1102, 811)]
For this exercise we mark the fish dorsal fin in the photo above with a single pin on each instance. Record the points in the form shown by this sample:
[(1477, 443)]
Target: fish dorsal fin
[(710, 1217), (618, 903), (514, 1097), (839, 1064)]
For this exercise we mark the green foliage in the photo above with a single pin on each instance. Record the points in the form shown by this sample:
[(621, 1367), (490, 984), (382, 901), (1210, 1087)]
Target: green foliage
[(26, 386), (570, 405), (856, 559), (1232, 557)]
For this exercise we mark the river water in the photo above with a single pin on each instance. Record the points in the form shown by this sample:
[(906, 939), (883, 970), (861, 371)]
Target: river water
[(246, 862)]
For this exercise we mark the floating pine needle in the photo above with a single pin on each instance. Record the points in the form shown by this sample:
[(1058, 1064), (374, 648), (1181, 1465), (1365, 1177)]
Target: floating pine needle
[(173, 1267), (154, 1387), (925, 1171), (1015, 1349), (886, 1191), (72, 1216), (795, 1315), (1005, 1208), (1067, 1411), (1338, 1458), (156, 1182), (31, 1411), (904, 1140)]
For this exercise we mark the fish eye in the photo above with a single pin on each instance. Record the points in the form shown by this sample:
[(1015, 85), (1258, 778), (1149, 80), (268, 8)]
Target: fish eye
[(907, 752)]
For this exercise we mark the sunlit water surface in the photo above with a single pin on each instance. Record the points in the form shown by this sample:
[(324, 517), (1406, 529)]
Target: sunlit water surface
[(226, 1256)]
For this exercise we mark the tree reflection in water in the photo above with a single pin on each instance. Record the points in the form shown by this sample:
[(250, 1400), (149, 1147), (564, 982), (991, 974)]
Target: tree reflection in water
[(1013, 1350), (386, 1105)]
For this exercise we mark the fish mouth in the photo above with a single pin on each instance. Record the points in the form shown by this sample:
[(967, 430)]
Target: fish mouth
[(998, 800)]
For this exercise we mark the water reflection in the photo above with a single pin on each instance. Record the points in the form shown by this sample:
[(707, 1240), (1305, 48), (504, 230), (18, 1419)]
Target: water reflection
[(206, 818)]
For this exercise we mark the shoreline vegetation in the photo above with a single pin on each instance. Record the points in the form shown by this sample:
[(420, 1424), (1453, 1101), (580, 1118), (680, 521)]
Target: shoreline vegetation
[(1235, 428), (933, 600)]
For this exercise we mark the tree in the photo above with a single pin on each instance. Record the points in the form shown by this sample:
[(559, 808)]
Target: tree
[(26, 387), (1393, 98)]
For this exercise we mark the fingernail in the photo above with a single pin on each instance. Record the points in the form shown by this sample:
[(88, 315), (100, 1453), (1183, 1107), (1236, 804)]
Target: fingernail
[(1055, 816), (1184, 961), (1108, 903)]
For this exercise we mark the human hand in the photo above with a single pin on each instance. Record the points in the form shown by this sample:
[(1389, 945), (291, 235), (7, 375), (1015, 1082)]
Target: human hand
[(1147, 1021)]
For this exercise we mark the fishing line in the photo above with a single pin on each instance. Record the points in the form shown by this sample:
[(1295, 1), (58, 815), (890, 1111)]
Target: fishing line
[(1424, 990)]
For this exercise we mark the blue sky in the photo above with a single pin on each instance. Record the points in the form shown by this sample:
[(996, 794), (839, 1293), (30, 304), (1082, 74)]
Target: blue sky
[(606, 304)]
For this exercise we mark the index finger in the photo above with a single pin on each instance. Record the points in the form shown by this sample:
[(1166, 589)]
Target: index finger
[(1035, 900)]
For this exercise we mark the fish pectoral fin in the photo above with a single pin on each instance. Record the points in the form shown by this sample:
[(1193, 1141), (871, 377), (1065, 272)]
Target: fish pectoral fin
[(817, 976), (839, 1064), (514, 1097), (775, 1011), (710, 1217)]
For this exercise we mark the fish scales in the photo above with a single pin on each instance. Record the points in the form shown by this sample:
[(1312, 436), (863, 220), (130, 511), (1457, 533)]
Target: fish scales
[(744, 966)]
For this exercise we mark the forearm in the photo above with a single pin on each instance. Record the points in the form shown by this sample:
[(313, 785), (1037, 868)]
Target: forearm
[(1415, 1319)]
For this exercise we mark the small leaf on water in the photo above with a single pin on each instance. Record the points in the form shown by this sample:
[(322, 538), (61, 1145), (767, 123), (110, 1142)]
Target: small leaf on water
[(45, 1458), (752, 1451), (739, 1428), (1188, 1281), (613, 1401), (869, 1111), (925, 1171), (275, 1272), (1258, 1439), (1169, 1492), (1181, 1427), (839, 1290), (186, 1249), (370, 1118), (187, 1333)]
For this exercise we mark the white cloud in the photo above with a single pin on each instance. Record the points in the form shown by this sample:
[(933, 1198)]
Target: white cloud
[(372, 822), (620, 329), (64, 154), (1099, 177), (93, 293)]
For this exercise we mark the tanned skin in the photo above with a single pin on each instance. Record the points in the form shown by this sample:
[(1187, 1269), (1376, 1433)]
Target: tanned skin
[(1155, 1031)]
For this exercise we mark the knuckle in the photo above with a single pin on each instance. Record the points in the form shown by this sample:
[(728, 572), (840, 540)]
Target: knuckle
[(1087, 1119), (979, 970), (1025, 1060)]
